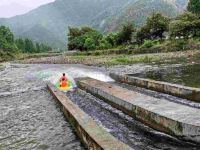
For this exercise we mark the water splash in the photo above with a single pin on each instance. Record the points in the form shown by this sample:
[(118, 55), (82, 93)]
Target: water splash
[(53, 74)]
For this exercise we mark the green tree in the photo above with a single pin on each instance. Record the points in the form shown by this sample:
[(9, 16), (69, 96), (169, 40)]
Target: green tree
[(142, 35), (125, 34), (85, 30), (186, 25), (45, 48), (73, 32), (77, 43), (155, 28), (77, 38), (112, 38), (37, 47), (104, 44), (89, 44), (194, 6), (20, 44), (29, 46), (7, 40), (157, 24), (95, 35)]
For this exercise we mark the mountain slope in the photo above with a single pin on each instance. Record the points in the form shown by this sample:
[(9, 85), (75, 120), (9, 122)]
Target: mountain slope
[(55, 17), (139, 11), (49, 22)]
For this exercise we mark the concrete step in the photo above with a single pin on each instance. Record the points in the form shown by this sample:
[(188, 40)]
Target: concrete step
[(165, 116), (92, 135), (185, 92)]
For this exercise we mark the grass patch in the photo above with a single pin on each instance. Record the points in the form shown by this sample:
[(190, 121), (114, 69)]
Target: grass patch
[(6, 56), (22, 56), (149, 46), (125, 60)]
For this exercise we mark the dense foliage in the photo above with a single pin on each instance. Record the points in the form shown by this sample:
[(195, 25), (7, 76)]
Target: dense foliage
[(174, 34), (28, 46), (7, 41), (86, 38), (194, 6), (9, 44), (186, 26), (155, 28), (125, 34)]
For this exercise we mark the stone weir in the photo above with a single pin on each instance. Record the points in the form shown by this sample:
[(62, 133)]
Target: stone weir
[(189, 93), (174, 119), (92, 135)]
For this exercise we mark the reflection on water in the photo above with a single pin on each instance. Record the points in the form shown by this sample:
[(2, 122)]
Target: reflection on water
[(184, 75)]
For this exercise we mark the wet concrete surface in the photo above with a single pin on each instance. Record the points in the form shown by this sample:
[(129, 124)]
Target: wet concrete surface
[(168, 117), (159, 95), (125, 128)]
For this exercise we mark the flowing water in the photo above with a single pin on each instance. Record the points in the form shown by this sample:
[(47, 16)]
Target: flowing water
[(31, 119), (125, 128)]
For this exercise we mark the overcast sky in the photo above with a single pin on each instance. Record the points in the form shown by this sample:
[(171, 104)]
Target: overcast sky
[(9, 8)]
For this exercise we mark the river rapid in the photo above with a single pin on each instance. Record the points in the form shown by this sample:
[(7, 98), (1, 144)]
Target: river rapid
[(29, 116), (31, 119)]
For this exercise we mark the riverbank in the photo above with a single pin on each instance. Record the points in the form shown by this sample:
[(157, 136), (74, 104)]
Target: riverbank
[(112, 60), (5, 57), (175, 67), (1, 67)]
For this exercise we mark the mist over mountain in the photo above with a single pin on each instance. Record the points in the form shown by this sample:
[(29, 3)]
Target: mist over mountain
[(15, 7), (49, 22), (138, 11)]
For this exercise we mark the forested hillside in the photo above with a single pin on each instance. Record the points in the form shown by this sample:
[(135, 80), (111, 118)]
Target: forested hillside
[(49, 23), (10, 47), (140, 10)]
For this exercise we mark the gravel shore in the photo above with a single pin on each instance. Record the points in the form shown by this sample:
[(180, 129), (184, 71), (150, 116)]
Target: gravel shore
[(130, 69), (163, 60)]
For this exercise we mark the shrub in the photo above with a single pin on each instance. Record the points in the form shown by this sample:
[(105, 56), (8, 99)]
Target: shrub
[(97, 53), (104, 44), (147, 44), (124, 60), (175, 45), (89, 44)]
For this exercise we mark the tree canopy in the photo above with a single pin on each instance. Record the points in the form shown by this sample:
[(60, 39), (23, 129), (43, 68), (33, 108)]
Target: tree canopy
[(125, 34), (8, 43), (84, 38), (186, 25), (7, 40), (155, 27), (194, 6)]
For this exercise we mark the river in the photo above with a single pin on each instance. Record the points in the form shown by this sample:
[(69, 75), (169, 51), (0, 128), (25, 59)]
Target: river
[(31, 119)]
